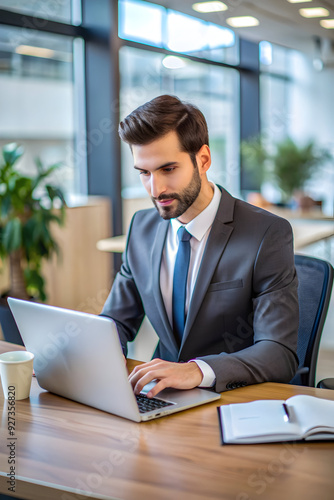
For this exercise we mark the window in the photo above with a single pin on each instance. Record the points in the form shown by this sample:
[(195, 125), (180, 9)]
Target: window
[(141, 21), (155, 25), (213, 89), (295, 97), (38, 100), (195, 37), (65, 11)]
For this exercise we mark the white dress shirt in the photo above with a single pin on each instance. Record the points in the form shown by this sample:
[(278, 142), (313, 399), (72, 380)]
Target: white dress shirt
[(199, 228)]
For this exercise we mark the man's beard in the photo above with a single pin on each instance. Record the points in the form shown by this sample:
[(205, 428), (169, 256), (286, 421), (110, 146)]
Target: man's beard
[(184, 199)]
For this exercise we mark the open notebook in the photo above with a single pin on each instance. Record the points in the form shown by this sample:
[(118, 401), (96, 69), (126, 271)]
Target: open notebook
[(298, 418)]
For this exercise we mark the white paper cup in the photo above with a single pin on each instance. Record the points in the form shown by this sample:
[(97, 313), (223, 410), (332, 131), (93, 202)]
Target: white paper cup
[(16, 369)]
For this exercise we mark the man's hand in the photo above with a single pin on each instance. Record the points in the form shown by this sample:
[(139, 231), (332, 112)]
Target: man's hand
[(167, 374)]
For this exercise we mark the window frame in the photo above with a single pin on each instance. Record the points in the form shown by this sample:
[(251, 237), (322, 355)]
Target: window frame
[(99, 31)]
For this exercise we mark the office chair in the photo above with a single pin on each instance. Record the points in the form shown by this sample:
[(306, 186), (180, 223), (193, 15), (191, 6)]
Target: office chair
[(314, 290), (326, 383)]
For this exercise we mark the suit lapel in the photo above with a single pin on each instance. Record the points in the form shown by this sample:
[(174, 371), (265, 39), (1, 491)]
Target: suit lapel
[(217, 241), (156, 257)]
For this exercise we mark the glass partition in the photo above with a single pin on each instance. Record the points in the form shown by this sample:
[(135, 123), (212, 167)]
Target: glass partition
[(158, 26), (38, 101), (54, 10), (214, 89)]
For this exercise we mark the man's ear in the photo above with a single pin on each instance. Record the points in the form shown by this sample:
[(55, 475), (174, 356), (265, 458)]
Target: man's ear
[(203, 158)]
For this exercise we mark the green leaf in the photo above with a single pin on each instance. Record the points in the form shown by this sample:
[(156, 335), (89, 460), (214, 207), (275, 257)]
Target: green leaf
[(39, 165), (28, 231), (55, 192), (12, 235), (12, 152), (35, 283), (27, 214), (294, 165), (23, 190), (287, 163), (254, 156), (5, 206), (44, 173)]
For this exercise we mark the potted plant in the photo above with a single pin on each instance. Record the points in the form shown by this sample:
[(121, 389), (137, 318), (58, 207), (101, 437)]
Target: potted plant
[(27, 212), (287, 164)]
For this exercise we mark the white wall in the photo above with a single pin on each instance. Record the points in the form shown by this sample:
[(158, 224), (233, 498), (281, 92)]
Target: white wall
[(35, 108)]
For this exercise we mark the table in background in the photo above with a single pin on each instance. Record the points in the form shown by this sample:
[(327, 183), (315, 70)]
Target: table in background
[(305, 233), (116, 244), (309, 232), (68, 451)]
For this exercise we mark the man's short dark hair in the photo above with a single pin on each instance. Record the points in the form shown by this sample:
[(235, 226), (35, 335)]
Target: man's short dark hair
[(162, 115)]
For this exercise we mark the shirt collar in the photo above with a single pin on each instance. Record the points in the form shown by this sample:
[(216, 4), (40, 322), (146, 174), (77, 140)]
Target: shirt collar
[(200, 224)]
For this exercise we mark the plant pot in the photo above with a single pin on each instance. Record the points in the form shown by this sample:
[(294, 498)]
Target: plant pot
[(8, 325)]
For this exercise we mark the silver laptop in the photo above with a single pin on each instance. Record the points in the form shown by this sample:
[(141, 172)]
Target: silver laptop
[(79, 356)]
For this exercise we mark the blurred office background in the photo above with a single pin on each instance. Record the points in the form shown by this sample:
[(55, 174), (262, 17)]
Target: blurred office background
[(71, 69)]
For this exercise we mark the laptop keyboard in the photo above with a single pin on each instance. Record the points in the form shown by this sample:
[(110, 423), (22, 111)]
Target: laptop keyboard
[(146, 404)]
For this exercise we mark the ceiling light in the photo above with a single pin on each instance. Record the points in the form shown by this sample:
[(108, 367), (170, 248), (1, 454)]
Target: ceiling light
[(299, 1), (327, 23), (314, 12), (173, 62), (242, 21), (29, 50), (205, 7)]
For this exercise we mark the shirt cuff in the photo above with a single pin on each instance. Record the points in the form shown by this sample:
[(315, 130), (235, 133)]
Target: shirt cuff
[(209, 377)]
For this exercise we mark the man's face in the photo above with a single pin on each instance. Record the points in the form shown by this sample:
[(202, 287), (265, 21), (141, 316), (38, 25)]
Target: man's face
[(168, 175)]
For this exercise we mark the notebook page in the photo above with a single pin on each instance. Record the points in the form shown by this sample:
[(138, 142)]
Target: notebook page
[(261, 418), (312, 412)]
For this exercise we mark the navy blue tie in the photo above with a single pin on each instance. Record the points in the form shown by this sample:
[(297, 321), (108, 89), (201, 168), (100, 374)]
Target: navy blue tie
[(180, 281)]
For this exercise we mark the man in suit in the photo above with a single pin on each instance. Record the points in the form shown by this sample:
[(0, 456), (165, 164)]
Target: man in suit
[(241, 307)]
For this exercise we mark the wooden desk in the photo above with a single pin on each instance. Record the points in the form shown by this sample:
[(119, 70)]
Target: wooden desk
[(68, 451)]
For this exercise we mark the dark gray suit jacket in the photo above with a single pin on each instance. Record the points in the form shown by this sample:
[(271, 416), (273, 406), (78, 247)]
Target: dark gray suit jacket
[(243, 314)]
